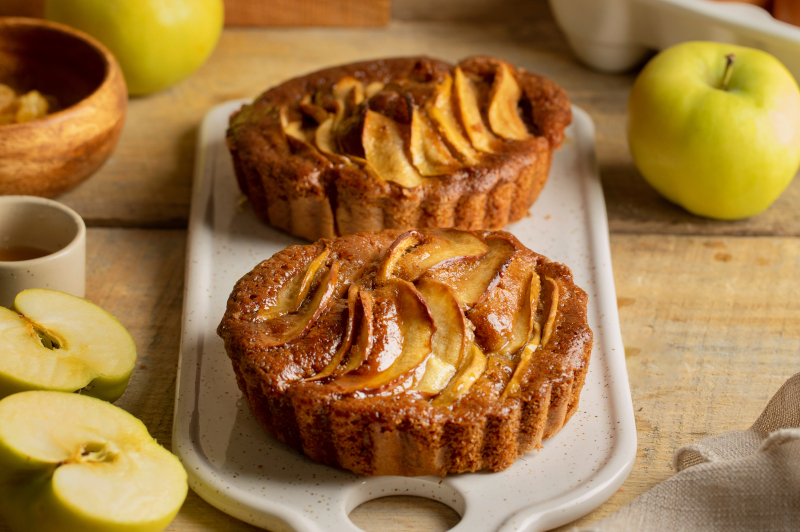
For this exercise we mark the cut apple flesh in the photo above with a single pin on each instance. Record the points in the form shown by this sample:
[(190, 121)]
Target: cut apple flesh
[(79, 463), (440, 109), (363, 343), (428, 153), (403, 334), (467, 101), (396, 251), (283, 329), (549, 325), (450, 341), (292, 294), (503, 115), (90, 348), (471, 279), (385, 150), (469, 372)]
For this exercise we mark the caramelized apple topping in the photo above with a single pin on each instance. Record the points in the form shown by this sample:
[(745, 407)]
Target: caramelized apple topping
[(283, 329), (412, 129), (402, 330), (467, 99), (385, 150), (469, 372), (503, 116)]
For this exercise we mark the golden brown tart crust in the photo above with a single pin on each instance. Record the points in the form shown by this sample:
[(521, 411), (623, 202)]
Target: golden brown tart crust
[(481, 416), (318, 181)]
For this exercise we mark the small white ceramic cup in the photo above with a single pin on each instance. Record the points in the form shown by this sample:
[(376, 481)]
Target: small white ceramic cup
[(48, 225)]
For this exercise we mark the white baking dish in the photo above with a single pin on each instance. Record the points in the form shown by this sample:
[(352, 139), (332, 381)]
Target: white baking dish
[(615, 35)]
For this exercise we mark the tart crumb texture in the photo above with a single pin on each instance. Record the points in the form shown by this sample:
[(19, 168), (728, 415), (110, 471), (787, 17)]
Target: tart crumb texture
[(427, 352), (399, 144)]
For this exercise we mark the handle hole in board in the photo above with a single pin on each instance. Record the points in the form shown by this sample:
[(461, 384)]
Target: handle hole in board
[(396, 513)]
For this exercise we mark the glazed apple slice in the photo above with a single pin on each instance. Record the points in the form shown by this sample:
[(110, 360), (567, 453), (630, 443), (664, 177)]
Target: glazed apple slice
[(440, 109), (347, 342), (348, 93), (384, 149), (470, 371), (451, 339), (504, 99), (550, 304), (283, 329), (294, 292), (402, 330), (292, 128), (467, 102), (436, 248), (71, 463), (313, 111), (323, 136), (428, 153), (55, 341), (471, 279), (374, 88)]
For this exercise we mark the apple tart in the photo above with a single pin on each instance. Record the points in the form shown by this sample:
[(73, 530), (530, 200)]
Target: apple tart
[(398, 144), (428, 352)]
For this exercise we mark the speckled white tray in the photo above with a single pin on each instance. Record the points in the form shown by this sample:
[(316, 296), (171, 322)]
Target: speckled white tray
[(234, 465)]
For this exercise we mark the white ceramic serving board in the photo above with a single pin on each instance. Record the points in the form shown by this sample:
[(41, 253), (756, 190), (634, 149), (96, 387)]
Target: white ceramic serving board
[(234, 465), (615, 35)]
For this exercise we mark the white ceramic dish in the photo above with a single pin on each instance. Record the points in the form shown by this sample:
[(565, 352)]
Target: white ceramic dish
[(237, 467), (615, 35)]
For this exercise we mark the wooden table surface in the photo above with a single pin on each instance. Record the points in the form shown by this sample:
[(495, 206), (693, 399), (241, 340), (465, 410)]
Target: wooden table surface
[(710, 311)]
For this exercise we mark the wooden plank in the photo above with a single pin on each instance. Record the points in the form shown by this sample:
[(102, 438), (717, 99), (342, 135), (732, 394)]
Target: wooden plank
[(307, 12)]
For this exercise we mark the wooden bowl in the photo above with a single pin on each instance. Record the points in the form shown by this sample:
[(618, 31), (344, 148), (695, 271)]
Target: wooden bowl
[(51, 155)]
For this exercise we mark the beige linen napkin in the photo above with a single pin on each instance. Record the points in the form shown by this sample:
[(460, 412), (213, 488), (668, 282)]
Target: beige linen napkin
[(745, 480)]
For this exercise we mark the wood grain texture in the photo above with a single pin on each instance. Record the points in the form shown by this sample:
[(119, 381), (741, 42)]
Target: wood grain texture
[(307, 12)]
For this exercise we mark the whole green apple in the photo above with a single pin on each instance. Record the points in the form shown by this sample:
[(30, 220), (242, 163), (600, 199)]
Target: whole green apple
[(719, 137), (157, 42)]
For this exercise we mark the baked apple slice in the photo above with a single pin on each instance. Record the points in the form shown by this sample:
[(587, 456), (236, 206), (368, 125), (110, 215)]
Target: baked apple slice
[(71, 463), (440, 109), (384, 149), (451, 339), (467, 102), (287, 327), (55, 341), (292, 128), (504, 99), (428, 153), (402, 339), (437, 247), (294, 292), (470, 371), (347, 342)]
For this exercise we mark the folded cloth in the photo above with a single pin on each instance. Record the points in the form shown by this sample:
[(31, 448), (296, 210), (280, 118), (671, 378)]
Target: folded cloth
[(745, 480)]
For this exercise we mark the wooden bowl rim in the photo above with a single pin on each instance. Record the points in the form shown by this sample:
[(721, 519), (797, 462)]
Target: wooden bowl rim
[(109, 59)]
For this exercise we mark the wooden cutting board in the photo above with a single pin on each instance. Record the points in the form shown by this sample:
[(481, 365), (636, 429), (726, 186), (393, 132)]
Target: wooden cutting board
[(266, 12)]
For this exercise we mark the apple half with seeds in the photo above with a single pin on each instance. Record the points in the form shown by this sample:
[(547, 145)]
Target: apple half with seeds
[(71, 463), (54, 341)]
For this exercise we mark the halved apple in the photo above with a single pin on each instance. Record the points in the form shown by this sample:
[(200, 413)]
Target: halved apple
[(283, 329), (402, 338), (469, 372), (504, 99), (451, 339), (440, 109), (467, 102), (428, 153), (385, 150), (55, 341), (71, 463), (471, 279)]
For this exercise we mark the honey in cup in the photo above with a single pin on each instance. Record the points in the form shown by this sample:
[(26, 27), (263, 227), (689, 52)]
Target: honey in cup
[(17, 253)]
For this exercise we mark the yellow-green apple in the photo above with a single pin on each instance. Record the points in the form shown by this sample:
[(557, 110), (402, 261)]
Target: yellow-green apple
[(55, 341), (157, 42), (71, 463), (718, 136)]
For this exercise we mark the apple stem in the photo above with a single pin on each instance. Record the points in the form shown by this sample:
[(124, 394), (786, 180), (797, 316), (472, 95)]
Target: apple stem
[(726, 77)]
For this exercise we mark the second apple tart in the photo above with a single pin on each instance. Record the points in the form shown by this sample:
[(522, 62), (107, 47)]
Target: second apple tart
[(398, 144), (426, 352)]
